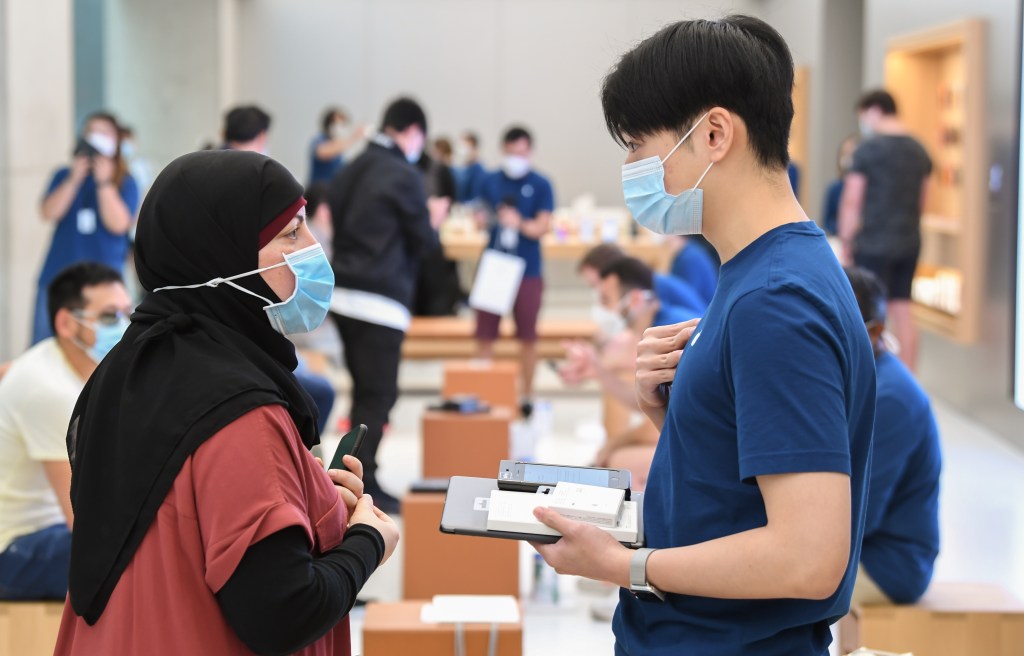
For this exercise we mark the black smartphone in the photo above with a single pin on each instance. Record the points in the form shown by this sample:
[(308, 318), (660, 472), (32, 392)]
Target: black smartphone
[(349, 446), (85, 149)]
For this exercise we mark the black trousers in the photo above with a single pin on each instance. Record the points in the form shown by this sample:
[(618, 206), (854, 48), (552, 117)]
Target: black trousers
[(372, 355)]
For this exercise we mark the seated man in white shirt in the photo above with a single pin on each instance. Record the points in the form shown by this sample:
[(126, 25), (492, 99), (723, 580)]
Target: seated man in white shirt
[(88, 309)]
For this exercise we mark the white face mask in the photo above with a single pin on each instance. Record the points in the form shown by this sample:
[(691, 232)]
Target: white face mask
[(104, 144), (515, 166), (339, 130), (609, 322)]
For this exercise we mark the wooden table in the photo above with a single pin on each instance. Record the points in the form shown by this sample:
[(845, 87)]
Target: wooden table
[(467, 248)]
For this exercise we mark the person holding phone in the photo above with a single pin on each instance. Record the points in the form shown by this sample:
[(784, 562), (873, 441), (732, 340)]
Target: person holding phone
[(755, 505), (219, 532), (93, 203)]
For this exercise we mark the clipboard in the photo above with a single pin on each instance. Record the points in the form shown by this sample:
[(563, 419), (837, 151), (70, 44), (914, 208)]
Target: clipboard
[(497, 282)]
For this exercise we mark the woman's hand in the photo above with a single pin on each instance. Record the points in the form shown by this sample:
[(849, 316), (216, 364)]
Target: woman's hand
[(366, 513), (103, 169), (657, 356), (349, 483)]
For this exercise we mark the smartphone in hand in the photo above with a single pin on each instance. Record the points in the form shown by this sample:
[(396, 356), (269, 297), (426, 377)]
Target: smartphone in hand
[(349, 446)]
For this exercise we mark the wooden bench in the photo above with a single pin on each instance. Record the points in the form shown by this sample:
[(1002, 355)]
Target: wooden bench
[(29, 628), (952, 619), (452, 337)]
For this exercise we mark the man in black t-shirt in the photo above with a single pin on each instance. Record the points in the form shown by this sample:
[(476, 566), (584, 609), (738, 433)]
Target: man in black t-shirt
[(880, 211)]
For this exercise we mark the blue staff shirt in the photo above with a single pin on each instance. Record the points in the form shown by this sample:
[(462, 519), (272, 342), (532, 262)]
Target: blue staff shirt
[(468, 180), (80, 234), (695, 267), (531, 194), (778, 378), (673, 291), (323, 170), (901, 535)]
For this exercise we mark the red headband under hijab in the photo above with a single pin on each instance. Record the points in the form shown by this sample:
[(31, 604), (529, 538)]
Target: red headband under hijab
[(273, 228)]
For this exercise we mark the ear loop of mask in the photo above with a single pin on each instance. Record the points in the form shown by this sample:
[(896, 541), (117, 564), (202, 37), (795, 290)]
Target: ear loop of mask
[(216, 282), (685, 137)]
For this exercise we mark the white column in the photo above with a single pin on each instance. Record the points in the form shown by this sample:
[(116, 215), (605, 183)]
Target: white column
[(36, 136)]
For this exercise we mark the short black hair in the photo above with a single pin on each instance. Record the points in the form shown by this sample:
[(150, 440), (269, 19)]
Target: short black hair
[(515, 133), (870, 293), (601, 256), (245, 123), (65, 290), (738, 63), (472, 138), (402, 113), (328, 117), (879, 98), (631, 272)]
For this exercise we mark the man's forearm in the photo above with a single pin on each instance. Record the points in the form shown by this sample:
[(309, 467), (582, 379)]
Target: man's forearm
[(113, 211)]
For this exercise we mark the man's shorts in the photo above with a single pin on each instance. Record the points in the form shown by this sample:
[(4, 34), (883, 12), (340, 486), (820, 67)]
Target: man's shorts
[(524, 311), (896, 273)]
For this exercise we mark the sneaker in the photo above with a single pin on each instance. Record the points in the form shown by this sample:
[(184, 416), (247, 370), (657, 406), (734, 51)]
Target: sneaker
[(382, 499), (526, 409)]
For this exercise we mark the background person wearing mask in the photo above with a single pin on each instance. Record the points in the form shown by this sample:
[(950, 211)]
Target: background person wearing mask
[(627, 297), (93, 204), (221, 519), (520, 202), (754, 507), (383, 226), (880, 210), (469, 172), (246, 127), (327, 150), (834, 191), (901, 533), (438, 292), (88, 311)]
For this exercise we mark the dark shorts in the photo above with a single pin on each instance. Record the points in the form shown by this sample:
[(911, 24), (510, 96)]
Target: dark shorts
[(525, 311), (896, 273), (35, 566)]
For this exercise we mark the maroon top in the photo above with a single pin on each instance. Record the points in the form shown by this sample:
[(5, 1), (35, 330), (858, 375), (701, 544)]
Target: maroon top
[(251, 479)]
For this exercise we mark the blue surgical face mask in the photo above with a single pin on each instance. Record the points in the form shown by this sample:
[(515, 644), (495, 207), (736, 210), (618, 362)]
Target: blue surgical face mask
[(643, 185), (307, 307), (107, 336)]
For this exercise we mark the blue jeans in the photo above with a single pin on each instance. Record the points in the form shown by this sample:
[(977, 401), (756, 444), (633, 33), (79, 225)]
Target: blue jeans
[(35, 566)]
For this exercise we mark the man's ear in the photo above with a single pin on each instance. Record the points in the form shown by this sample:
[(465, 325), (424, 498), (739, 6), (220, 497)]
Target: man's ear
[(720, 133), (64, 324), (875, 332)]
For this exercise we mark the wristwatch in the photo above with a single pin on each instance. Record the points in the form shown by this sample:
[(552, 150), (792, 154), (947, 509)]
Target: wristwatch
[(638, 583)]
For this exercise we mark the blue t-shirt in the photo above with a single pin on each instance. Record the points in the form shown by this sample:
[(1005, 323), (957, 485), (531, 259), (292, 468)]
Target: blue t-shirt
[(468, 180), (80, 234), (323, 170), (672, 291), (779, 377), (901, 534), (531, 194), (695, 267), (830, 219)]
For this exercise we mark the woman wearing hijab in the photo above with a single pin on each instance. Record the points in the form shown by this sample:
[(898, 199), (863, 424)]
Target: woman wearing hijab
[(202, 523)]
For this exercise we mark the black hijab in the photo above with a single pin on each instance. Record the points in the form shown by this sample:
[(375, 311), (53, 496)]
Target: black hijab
[(192, 361)]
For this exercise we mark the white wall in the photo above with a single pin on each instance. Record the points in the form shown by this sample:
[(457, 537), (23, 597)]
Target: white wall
[(474, 64), (35, 133), (163, 74)]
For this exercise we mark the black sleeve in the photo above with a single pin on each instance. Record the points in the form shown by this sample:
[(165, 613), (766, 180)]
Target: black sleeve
[(410, 199), (282, 598)]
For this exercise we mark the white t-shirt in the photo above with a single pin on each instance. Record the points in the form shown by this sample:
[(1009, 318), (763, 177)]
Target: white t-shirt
[(37, 397)]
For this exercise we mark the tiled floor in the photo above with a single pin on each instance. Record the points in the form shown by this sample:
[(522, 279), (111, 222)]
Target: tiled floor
[(982, 507)]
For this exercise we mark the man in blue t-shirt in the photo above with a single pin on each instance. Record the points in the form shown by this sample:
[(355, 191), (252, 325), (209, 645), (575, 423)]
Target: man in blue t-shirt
[(469, 172), (517, 205), (901, 534), (755, 505)]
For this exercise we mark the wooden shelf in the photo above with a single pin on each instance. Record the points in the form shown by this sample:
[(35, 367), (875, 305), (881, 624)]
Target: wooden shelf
[(937, 77)]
